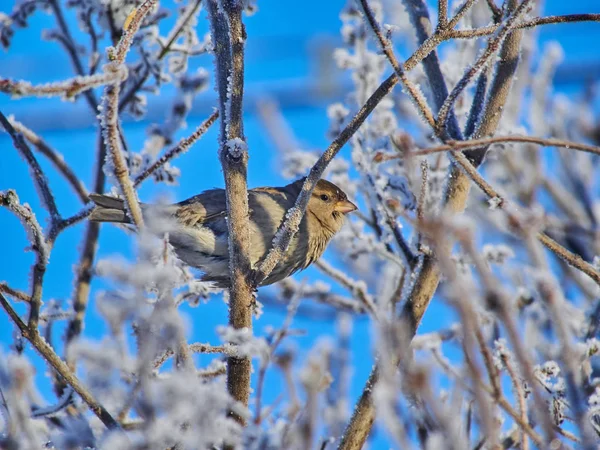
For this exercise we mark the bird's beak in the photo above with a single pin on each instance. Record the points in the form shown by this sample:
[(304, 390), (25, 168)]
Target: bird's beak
[(345, 207)]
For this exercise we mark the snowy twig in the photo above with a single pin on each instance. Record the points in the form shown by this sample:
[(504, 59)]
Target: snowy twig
[(387, 48), (182, 146), (10, 200), (37, 173), (531, 23), (419, 15), (191, 10), (196, 347), (477, 143), (110, 111), (518, 387), (570, 258), (502, 402), (356, 288), (60, 366), (164, 51), (14, 293), (55, 158), (66, 89)]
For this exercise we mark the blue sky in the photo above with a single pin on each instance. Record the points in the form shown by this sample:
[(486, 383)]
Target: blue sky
[(282, 38)]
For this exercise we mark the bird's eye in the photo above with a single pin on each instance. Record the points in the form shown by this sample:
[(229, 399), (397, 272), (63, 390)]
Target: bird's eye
[(325, 197)]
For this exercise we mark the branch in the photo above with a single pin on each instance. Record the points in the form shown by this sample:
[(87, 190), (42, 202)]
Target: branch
[(55, 158), (518, 387), (37, 174), (84, 268), (14, 293), (356, 288), (288, 228), (419, 15), (182, 147), (59, 365), (570, 258), (531, 23), (387, 48), (196, 348), (71, 48), (173, 35), (66, 89), (229, 37), (110, 117), (10, 200)]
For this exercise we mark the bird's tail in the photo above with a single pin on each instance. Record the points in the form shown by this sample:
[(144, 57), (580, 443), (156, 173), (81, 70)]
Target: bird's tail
[(108, 209)]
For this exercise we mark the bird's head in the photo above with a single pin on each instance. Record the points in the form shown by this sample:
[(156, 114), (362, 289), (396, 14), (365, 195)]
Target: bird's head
[(329, 205)]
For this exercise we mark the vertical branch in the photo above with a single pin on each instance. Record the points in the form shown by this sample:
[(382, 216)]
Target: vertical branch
[(84, 268), (229, 38)]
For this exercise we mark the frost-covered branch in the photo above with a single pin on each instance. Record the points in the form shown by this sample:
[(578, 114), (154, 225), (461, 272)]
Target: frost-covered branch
[(182, 146), (228, 35), (38, 176), (387, 48), (55, 158), (196, 347), (14, 293), (500, 202), (110, 111), (470, 144), (10, 200), (59, 365), (529, 23), (356, 288), (66, 89)]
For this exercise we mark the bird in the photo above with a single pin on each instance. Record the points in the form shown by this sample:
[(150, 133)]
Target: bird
[(197, 227)]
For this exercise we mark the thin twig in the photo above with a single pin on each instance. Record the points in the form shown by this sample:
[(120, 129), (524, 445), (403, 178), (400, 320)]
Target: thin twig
[(65, 89), (570, 258), (386, 46), (182, 147), (60, 366), (196, 347), (14, 293), (358, 289), (55, 158), (518, 386), (476, 143), (111, 112), (531, 23), (37, 174), (10, 200)]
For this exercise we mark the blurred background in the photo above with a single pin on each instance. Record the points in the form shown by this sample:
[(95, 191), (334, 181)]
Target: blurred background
[(288, 61)]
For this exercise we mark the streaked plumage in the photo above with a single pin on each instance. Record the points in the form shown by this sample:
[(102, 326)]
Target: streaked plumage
[(197, 226)]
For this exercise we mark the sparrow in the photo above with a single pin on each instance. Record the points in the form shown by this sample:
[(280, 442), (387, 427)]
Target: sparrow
[(197, 227)]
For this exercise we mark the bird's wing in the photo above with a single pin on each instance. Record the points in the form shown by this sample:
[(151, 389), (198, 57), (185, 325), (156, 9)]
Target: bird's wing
[(202, 208)]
